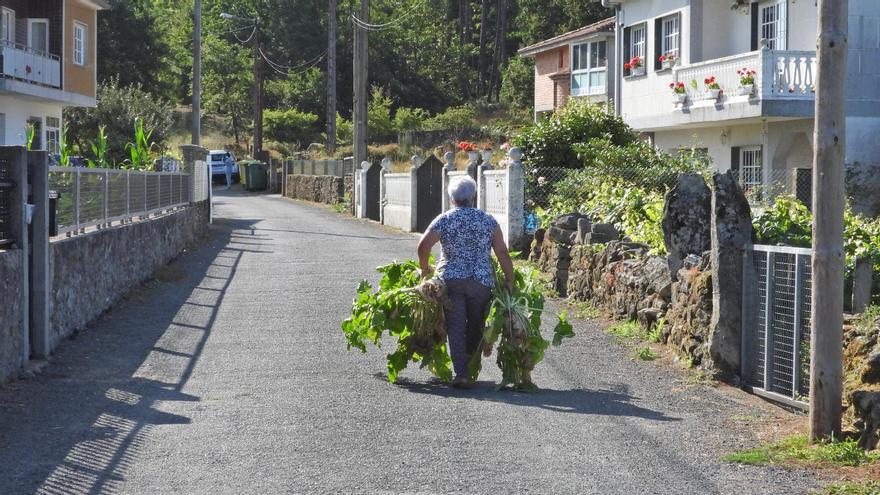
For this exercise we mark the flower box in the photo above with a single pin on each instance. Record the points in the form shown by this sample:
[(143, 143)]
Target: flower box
[(638, 71), (679, 98), (746, 90), (713, 94)]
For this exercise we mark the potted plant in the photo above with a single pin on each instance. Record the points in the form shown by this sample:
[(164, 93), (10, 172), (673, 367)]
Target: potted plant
[(635, 66), (668, 60), (713, 89), (746, 81), (470, 149), (486, 153), (679, 93)]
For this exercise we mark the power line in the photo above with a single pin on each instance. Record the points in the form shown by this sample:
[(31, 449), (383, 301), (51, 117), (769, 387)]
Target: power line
[(381, 27), (244, 42), (289, 71)]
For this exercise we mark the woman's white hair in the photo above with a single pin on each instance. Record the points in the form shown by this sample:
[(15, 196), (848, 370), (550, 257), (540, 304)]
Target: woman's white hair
[(462, 190)]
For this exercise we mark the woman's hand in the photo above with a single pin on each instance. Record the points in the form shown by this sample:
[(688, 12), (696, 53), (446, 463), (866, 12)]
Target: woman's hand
[(427, 272)]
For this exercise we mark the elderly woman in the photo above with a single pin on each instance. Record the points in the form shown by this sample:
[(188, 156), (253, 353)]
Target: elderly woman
[(467, 236)]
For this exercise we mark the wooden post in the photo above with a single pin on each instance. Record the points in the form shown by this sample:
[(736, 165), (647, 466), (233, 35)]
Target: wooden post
[(331, 78), (360, 85), (826, 363), (197, 75), (258, 94)]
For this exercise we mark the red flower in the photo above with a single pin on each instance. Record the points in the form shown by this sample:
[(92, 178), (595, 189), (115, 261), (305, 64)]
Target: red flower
[(626, 66), (27, 68), (672, 85), (663, 58)]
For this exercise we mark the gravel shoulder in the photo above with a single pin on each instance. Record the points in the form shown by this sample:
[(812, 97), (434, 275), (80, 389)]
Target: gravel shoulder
[(230, 375)]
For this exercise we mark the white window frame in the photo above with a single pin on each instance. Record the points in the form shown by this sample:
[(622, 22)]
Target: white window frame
[(53, 136), (751, 168), (773, 31), (589, 70), (671, 39), (638, 48), (7, 26), (31, 23), (80, 45)]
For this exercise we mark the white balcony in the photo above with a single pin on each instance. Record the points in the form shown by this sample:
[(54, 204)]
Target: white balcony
[(24, 64)]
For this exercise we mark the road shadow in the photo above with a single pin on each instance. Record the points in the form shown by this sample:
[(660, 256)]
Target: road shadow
[(572, 401), (77, 426)]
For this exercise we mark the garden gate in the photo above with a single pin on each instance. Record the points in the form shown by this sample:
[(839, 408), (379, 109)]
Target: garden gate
[(374, 178), (776, 322), (429, 180)]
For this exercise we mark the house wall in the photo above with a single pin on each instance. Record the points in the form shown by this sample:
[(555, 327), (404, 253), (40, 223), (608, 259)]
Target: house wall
[(79, 79), (15, 114), (723, 32), (44, 9), (546, 64)]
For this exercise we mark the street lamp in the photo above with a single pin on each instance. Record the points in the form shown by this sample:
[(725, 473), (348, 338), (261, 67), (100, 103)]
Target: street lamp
[(258, 82)]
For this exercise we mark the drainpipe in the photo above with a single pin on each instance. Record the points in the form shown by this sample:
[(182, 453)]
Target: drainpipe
[(618, 50)]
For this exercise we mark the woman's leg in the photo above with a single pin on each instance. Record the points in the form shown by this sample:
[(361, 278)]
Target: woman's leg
[(456, 326), (478, 296)]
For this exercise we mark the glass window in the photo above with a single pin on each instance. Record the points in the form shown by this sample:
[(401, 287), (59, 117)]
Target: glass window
[(38, 36), (588, 68), (671, 36), (751, 169), (7, 25), (638, 37), (773, 17), (80, 38)]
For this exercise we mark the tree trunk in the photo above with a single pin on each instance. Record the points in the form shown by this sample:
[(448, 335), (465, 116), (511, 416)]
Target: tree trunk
[(500, 38), (484, 34)]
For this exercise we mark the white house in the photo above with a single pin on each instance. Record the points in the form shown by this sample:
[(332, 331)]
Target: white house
[(764, 130)]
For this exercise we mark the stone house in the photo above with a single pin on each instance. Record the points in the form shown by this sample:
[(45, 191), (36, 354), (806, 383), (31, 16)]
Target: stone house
[(579, 63), (762, 129), (48, 61)]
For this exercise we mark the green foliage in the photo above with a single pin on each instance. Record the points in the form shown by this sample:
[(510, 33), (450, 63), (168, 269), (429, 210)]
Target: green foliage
[(852, 488), (457, 119), (410, 119), (99, 150), (64, 148), (141, 150), (627, 330), (306, 91), (118, 108), (796, 450), (344, 130), (290, 126), (646, 354), (31, 131), (518, 83), (550, 143), (379, 121)]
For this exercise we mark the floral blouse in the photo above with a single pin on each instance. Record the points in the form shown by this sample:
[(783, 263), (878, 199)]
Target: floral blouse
[(466, 244)]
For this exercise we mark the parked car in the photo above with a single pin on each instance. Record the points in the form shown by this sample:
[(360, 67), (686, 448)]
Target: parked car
[(218, 168)]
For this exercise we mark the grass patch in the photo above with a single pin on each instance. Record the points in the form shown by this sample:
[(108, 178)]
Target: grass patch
[(626, 330), (586, 311), (646, 354), (796, 450), (851, 488)]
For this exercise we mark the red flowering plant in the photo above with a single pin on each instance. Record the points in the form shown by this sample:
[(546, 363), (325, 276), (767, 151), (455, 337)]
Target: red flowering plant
[(746, 76), (678, 88), (467, 146), (668, 57), (634, 63), (711, 83)]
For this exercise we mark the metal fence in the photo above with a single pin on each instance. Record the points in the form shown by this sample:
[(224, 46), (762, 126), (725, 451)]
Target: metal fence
[(6, 190), (97, 197), (777, 289)]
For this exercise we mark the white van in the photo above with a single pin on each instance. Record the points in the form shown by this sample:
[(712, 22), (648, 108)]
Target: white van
[(218, 168)]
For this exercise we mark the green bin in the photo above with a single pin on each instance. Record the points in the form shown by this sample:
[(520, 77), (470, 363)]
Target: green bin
[(257, 177), (242, 174)]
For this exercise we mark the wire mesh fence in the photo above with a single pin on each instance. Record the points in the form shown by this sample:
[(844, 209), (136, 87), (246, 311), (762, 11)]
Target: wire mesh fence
[(98, 197), (762, 187), (338, 168), (776, 321)]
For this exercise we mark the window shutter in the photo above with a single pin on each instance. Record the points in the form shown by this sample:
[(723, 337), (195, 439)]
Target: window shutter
[(627, 49), (734, 160), (658, 44), (756, 35)]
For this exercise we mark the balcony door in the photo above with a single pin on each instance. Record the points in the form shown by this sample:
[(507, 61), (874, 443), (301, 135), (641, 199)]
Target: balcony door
[(7, 25), (38, 35), (773, 24)]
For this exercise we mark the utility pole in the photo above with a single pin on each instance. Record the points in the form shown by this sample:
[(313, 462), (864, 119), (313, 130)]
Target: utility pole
[(826, 352), (361, 41), (258, 93), (197, 75), (331, 78)]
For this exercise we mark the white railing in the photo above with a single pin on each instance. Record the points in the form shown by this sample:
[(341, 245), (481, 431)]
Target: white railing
[(493, 197), (98, 197), (780, 75), (25, 64), (397, 198)]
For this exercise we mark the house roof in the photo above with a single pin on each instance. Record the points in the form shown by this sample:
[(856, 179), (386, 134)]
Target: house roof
[(99, 4), (605, 25)]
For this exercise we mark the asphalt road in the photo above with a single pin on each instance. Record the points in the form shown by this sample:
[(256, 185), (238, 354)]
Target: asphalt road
[(229, 374)]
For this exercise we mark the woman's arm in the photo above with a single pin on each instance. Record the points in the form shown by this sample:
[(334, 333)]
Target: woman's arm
[(503, 256), (430, 238)]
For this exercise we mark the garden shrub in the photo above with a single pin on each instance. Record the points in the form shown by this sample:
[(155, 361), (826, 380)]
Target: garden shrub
[(456, 119), (290, 126), (379, 122), (410, 119)]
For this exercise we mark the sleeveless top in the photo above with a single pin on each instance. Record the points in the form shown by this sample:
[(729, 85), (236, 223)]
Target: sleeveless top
[(466, 244)]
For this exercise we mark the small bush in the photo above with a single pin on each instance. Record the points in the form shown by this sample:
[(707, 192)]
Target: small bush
[(646, 354), (410, 119), (379, 120), (796, 450), (457, 119), (344, 130), (518, 82), (290, 126)]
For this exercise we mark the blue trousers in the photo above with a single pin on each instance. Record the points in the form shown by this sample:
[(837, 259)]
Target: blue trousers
[(228, 177), (466, 320)]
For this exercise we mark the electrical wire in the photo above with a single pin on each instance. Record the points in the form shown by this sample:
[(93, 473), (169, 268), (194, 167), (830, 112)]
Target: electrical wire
[(381, 27), (244, 42), (288, 71)]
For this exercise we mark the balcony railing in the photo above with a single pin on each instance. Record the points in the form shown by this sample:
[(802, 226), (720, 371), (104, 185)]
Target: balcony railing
[(780, 75), (25, 64)]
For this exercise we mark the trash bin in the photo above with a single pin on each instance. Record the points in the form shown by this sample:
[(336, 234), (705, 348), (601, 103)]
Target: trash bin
[(53, 212), (257, 176), (242, 174)]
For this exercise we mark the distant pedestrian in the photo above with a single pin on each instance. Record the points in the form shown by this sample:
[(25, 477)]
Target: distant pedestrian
[(467, 237), (229, 162)]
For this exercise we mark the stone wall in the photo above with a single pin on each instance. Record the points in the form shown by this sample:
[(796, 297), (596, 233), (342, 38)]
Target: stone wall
[(316, 188), (90, 272), (10, 313), (688, 322), (348, 185)]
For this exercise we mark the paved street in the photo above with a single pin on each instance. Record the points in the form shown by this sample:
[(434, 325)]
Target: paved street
[(229, 374)]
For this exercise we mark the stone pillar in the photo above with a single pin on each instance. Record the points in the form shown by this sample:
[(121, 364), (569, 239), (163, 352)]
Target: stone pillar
[(191, 154), (40, 283), (449, 158), (686, 219), (516, 196), (16, 158), (481, 189), (473, 162), (732, 231), (386, 167), (416, 162), (362, 189), (861, 289)]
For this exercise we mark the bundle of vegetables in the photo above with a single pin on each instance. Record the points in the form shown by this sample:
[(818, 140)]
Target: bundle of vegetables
[(411, 310)]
